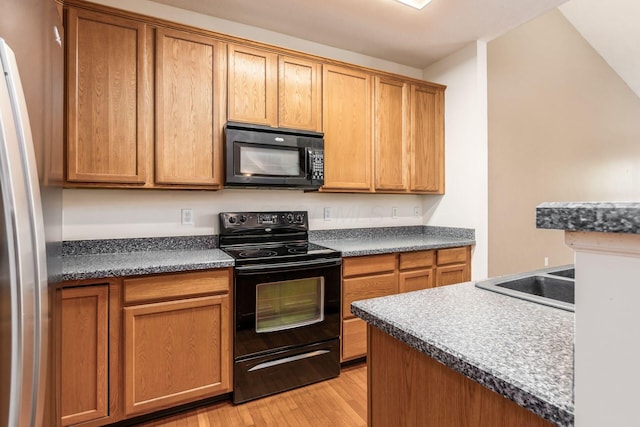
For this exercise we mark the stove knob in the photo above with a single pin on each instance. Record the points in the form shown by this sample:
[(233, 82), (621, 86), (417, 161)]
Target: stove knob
[(232, 220), (243, 218), (299, 218), (290, 218)]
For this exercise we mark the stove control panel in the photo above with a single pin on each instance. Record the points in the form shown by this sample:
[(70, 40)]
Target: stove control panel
[(256, 220)]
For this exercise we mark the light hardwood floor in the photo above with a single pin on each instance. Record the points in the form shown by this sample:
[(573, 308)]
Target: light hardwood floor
[(341, 401)]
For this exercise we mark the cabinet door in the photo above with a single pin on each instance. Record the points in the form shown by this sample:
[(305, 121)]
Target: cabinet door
[(82, 340), (253, 86), (415, 280), (451, 274), (299, 94), (354, 339), (106, 103), (365, 287), (427, 140), (391, 134), (347, 129), (189, 108), (175, 352)]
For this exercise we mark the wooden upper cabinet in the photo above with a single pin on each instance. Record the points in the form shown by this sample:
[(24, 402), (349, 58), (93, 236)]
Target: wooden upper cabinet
[(346, 114), (299, 94), (106, 103), (190, 108), (253, 86), (391, 134), (427, 140)]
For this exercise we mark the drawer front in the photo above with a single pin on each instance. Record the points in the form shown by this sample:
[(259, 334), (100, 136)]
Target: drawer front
[(418, 259), (354, 339), (367, 287), (168, 286), (370, 264), (452, 255)]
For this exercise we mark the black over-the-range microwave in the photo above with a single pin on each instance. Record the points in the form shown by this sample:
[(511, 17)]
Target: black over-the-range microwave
[(262, 156)]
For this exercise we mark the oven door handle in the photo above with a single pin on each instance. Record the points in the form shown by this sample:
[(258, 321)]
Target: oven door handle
[(288, 266)]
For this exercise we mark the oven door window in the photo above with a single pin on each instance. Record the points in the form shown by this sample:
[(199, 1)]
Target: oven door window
[(267, 161), (289, 304)]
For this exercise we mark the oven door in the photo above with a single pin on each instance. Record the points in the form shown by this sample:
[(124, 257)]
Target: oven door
[(282, 306)]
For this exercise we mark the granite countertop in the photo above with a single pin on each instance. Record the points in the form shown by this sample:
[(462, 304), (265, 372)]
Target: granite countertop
[(96, 266), (521, 350), (373, 241), (94, 259), (607, 217)]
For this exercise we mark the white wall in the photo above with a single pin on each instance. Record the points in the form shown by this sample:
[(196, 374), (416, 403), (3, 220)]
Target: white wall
[(107, 214), (465, 203)]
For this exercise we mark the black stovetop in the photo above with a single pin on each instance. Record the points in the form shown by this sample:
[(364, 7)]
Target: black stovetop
[(269, 237)]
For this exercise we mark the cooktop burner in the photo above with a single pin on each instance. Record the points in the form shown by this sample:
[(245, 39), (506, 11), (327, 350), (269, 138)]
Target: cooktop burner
[(257, 253), (269, 237), (277, 250)]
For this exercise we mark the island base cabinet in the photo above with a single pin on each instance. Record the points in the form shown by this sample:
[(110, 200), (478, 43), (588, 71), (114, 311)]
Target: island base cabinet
[(407, 388), (175, 352)]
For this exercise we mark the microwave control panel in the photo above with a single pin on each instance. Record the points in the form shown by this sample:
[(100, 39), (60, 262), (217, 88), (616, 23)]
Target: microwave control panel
[(317, 165)]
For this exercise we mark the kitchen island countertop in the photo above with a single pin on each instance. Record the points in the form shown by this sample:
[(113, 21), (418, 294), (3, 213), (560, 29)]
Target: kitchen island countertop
[(521, 350)]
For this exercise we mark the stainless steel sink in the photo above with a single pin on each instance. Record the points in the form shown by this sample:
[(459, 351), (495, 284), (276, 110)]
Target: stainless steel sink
[(554, 287)]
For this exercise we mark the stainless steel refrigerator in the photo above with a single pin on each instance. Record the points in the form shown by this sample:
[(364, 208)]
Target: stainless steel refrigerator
[(31, 121)]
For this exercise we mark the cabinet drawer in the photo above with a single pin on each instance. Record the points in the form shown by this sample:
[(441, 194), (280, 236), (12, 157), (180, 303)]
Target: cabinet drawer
[(359, 265), (452, 255), (179, 285), (417, 259), (354, 338), (367, 287)]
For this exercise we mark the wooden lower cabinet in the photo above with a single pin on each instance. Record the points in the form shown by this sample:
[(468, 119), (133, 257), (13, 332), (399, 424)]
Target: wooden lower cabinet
[(130, 346), (82, 338), (454, 266), (408, 388), (415, 280), (354, 338), (175, 352), (387, 274)]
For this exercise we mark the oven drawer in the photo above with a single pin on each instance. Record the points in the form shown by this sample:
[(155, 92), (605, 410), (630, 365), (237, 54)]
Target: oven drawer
[(178, 285)]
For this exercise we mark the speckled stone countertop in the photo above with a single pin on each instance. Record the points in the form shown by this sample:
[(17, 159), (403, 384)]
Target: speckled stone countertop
[(608, 217), (371, 241), (95, 259), (521, 350)]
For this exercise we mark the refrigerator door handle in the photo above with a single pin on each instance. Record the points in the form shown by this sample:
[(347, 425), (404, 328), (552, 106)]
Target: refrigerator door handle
[(27, 253)]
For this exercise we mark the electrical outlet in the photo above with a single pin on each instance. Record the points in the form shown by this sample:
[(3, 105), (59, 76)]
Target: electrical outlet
[(546, 261), (327, 214), (417, 211), (394, 212), (187, 216)]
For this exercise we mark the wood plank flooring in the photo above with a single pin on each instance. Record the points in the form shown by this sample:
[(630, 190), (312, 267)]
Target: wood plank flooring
[(341, 401)]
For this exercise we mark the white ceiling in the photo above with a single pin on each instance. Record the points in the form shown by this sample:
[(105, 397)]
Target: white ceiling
[(612, 27), (384, 29)]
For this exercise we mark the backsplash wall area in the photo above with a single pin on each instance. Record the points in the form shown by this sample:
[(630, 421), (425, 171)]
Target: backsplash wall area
[(109, 214)]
